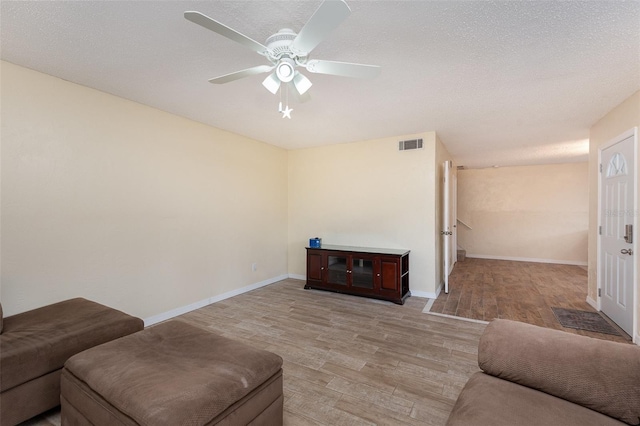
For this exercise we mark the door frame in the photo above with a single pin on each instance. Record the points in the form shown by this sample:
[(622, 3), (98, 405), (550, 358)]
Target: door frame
[(448, 231), (629, 133), (454, 217)]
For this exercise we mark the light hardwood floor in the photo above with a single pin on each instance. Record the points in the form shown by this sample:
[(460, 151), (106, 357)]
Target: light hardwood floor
[(485, 289), (349, 360)]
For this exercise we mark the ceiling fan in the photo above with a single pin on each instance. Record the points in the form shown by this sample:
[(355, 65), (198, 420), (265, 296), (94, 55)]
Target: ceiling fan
[(286, 50)]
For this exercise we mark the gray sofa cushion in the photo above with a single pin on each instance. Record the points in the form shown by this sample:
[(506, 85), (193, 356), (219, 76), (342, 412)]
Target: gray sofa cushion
[(489, 401), (601, 375)]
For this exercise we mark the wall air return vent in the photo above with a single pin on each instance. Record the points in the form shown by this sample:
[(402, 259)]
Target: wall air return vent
[(410, 144)]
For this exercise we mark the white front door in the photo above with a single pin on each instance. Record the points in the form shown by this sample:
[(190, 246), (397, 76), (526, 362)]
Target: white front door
[(617, 192)]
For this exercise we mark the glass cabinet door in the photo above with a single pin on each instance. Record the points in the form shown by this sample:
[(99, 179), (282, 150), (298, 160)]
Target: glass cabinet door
[(362, 273), (337, 266)]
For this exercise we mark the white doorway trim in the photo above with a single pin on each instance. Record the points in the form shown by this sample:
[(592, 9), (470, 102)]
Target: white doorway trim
[(449, 225), (454, 216), (630, 133), (446, 231)]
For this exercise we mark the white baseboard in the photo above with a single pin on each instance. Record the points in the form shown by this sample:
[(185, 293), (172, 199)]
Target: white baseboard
[(425, 294), (298, 277), (528, 259), (208, 301), (439, 289), (176, 312)]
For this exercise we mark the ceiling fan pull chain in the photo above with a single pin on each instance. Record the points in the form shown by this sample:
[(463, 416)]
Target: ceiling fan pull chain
[(286, 113)]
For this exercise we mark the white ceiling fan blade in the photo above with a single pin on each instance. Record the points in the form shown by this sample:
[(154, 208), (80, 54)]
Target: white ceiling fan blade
[(300, 98), (329, 15), (272, 83), (344, 69), (301, 82), (241, 74), (223, 30)]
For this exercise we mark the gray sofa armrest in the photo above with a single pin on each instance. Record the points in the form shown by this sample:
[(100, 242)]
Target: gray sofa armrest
[(601, 375)]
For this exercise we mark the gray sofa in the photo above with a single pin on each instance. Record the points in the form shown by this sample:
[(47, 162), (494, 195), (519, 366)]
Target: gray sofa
[(34, 346), (537, 376)]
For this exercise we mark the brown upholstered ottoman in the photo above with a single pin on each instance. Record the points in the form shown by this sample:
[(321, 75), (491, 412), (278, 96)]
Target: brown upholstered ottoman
[(172, 374), (34, 346)]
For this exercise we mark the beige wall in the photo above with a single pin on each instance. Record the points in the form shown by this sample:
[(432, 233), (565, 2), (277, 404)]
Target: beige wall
[(366, 194), (624, 117), (128, 205), (525, 212)]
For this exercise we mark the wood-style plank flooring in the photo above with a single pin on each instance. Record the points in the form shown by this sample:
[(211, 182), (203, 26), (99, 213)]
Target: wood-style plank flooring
[(349, 360), (485, 289)]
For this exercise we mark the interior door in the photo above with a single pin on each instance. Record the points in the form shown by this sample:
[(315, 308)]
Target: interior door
[(446, 224), (617, 192)]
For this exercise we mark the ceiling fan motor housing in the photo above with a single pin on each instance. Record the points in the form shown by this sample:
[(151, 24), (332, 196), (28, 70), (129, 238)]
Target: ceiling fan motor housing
[(280, 53), (280, 45), (287, 50)]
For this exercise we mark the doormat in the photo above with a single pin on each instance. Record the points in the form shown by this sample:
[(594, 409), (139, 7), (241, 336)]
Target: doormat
[(584, 320)]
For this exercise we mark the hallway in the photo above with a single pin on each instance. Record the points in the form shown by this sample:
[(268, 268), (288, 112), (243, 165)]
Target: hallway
[(485, 289)]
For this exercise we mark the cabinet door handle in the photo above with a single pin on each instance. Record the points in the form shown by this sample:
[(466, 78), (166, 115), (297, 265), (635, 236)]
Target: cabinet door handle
[(378, 274)]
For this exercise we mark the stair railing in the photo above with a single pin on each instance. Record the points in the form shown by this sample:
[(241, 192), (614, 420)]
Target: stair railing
[(465, 224)]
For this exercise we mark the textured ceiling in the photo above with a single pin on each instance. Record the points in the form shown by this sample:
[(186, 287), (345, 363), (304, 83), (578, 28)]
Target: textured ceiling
[(502, 83)]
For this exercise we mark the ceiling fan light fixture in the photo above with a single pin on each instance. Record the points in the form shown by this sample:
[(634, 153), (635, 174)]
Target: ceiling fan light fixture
[(286, 51), (272, 83), (301, 82), (285, 70)]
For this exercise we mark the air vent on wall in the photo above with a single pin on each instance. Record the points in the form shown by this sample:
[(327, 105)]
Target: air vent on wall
[(410, 144)]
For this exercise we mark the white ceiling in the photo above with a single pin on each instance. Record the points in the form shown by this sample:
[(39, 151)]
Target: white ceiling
[(502, 83)]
